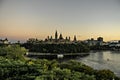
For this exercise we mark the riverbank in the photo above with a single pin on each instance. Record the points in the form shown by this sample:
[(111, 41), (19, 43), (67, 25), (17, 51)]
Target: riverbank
[(56, 55)]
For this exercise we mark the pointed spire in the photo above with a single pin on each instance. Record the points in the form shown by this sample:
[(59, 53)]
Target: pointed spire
[(60, 37), (56, 35), (51, 38), (69, 38), (66, 38), (48, 37), (75, 38)]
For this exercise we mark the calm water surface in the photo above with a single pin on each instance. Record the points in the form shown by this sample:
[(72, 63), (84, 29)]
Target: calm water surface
[(103, 60)]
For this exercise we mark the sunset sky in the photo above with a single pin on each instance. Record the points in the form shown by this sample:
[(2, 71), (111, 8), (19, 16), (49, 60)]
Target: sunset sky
[(23, 19)]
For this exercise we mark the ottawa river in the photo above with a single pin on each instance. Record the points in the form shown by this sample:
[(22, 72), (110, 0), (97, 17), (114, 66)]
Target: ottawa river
[(103, 60)]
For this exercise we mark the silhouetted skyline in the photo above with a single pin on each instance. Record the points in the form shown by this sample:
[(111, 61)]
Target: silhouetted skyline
[(23, 19)]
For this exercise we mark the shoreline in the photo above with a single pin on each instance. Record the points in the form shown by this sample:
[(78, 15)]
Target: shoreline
[(55, 56)]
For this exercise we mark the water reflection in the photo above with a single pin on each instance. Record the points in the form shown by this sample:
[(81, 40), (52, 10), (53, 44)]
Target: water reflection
[(103, 60)]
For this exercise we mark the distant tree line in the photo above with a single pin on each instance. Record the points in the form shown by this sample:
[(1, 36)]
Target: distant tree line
[(57, 48)]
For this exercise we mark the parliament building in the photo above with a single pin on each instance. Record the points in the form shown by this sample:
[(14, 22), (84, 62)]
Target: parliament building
[(58, 38)]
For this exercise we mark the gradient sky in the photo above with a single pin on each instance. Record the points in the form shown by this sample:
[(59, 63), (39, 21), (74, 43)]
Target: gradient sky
[(23, 19)]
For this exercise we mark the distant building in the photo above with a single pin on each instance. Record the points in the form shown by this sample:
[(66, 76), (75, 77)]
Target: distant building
[(100, 39), (119, 41), (59, 39), (92, 42), (5, 41), (114, 44)]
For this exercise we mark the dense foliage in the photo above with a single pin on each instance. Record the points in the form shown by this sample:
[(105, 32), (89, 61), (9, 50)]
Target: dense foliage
[(57, 48), (13, 52), (50, 70)]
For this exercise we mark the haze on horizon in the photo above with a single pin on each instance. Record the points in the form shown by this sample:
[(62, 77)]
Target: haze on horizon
[(23, 19)]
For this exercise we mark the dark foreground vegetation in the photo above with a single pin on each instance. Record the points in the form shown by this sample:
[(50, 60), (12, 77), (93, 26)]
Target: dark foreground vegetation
[(14, 66)]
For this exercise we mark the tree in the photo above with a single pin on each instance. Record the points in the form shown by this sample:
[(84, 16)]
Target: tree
[(13, 52), (105, 75)]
